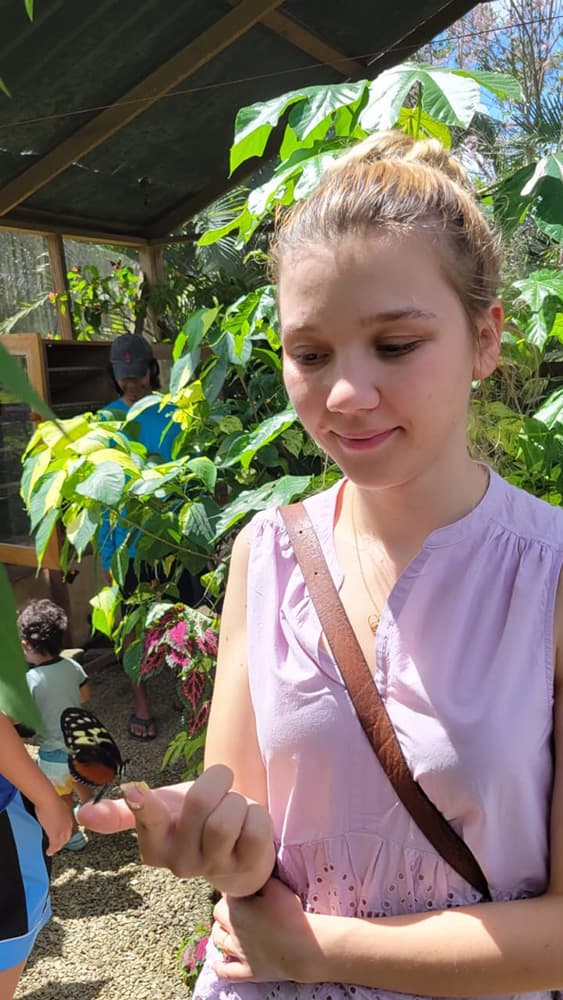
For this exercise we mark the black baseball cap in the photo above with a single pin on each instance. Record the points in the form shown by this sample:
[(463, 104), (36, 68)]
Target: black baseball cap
[(130, 356)]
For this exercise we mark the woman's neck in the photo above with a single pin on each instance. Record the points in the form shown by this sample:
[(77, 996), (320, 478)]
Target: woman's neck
[(402, 517)]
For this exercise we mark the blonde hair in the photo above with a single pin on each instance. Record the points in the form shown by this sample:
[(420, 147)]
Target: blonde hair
[(392, 184)]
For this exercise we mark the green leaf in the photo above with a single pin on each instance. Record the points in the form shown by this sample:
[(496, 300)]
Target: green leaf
[(320, 105), (120, 563), (502, 84), (183, 370), (234, 349), (230, 425), (114, 456), (29, 9), (105, 484), (214, 235), (4, 88), (282, 491), (248, 444), (214, 379), (536, 290), (44, 533), (105, 605), (132, 659), (15, 699), (546, 188), (449, 96), (292, 440), (196, 527), (152, 480), (416, 122), (253, 125), (81, 529), (47, 496), (551, 412), (548, 166), (509, 204), (15, 381), (193, 331), (33, 468), (205, 470)]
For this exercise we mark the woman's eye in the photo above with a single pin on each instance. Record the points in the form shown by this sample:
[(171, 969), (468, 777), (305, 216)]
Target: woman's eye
[(396, 350), (309, 357)]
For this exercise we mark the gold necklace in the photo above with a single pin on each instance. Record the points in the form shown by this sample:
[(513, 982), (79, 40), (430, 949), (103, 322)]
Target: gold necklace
[(373, 620)]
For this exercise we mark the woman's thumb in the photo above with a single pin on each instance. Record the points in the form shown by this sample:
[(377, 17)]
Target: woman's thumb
[(152, 820)]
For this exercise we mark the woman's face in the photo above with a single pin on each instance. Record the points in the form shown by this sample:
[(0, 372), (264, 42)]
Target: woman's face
[(134, 389), (378, 357)]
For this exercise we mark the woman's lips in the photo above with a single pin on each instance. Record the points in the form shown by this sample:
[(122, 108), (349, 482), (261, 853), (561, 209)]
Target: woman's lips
[(364, 442)]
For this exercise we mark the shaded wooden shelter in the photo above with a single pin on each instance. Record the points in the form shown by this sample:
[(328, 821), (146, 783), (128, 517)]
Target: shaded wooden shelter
[(119, 125), (121, 115)]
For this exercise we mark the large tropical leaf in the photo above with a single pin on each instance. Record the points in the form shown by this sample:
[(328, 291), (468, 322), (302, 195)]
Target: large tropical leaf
[(322, 120), (542, 292), (15, 699), (254, 124), (546, 186), (448, 96)]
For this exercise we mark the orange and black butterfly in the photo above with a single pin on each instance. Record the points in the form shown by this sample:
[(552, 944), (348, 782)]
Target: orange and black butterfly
[(94, 757)]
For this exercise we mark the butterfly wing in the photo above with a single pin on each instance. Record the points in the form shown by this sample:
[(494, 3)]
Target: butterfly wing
[(94, 756)]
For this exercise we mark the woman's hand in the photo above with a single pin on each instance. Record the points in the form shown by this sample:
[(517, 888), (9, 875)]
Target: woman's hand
[(196, 828), (56, 819), (264, 938)]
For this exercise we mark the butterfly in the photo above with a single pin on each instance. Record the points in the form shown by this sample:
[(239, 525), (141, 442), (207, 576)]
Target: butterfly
[(94, 757)]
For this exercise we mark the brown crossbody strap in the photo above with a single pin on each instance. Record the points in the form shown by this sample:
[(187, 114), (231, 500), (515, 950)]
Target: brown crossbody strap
[(367, 701)]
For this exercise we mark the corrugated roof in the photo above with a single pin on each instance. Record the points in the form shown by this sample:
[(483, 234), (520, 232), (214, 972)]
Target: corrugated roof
[(122, 113)]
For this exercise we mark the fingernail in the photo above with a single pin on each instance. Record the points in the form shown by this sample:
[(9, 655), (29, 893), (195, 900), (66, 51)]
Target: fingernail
[(134, 794)]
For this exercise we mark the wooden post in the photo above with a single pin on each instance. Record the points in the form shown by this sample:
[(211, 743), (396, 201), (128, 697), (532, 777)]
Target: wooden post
[(152, 265), (56, 250)]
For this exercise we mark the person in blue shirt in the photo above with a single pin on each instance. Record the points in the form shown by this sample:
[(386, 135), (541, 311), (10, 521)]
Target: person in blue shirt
[(135, 372)]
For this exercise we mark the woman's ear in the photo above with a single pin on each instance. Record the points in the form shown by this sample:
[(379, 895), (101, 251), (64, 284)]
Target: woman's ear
[(490, 324)]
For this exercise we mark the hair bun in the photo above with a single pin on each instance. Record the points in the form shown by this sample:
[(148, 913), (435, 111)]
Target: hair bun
[(395, 145)]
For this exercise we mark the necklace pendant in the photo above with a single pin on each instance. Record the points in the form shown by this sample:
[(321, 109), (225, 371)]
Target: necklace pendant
[(373, 622)]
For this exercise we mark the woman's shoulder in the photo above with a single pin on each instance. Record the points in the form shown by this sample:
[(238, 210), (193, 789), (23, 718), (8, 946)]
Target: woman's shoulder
[(532, 518), (320, 507)]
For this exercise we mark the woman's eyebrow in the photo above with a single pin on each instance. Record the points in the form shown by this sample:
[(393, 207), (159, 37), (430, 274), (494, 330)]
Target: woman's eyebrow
[(393, 315)]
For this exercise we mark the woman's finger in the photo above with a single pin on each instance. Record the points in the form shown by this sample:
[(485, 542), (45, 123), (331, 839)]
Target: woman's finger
[(222, 828), (106, 816), (153, 822)]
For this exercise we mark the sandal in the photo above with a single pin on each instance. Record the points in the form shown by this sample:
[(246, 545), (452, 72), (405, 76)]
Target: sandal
[(147, 727)]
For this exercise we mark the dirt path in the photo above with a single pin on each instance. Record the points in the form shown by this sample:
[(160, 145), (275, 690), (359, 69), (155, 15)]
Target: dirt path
[(117, 925)]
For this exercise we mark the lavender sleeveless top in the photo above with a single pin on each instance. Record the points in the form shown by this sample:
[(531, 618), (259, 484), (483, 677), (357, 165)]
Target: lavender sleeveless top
[(464, 664)]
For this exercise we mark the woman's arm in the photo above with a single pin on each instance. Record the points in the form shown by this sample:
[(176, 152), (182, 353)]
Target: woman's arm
[(481, 950), (217, 826), (18, 767), (231, 733)]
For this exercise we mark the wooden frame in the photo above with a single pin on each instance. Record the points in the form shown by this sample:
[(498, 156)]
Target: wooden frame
[(30, 346)]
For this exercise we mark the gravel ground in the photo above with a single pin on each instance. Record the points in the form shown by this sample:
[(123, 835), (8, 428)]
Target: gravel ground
[(116, 924)]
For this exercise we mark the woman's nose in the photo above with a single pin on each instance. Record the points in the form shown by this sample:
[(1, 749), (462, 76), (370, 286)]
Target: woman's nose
[(354, 390)]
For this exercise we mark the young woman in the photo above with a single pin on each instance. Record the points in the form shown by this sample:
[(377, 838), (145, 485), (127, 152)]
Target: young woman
[(387, 282)]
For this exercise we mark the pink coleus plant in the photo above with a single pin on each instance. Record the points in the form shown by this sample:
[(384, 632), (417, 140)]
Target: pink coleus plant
[(185, 640)]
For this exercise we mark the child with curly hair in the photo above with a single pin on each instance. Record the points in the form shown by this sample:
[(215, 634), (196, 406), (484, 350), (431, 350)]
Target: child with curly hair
[(56, 682)]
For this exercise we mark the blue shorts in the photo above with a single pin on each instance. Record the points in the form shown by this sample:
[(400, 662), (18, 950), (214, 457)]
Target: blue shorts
[(24, 881)]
